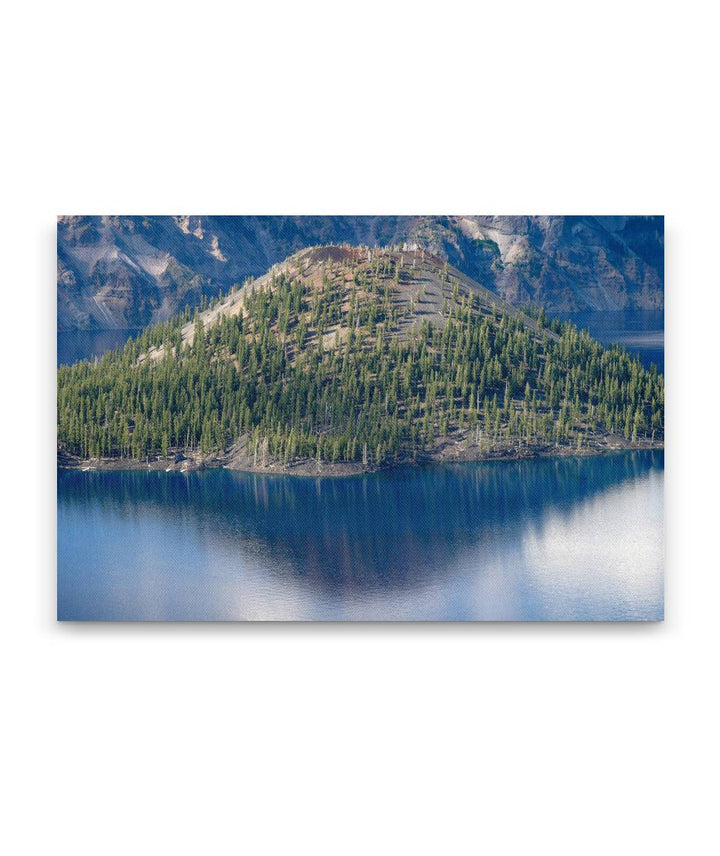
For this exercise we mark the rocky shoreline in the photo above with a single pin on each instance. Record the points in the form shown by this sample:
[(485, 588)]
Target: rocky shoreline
[(449, 450)]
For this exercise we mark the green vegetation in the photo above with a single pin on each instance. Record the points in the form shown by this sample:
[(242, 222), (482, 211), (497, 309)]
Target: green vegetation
[(347, 370)]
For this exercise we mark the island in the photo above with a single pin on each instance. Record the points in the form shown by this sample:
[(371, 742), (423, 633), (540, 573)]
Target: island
[(346, 359)]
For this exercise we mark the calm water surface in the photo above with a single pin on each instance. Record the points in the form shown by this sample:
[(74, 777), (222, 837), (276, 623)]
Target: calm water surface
[(641, 331), (73, 345), (536, 540), (576, 539)]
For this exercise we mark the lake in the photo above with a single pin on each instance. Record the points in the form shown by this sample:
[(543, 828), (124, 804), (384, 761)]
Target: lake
[(74, 345), (641, 331), (571, 539)]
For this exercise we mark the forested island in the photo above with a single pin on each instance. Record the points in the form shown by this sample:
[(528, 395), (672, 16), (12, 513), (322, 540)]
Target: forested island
[(348, 359)]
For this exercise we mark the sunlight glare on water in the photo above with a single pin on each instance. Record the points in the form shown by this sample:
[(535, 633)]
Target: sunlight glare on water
[(570, 539)]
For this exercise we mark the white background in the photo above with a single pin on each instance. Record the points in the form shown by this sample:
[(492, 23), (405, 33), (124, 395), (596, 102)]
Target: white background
[(359, 739)]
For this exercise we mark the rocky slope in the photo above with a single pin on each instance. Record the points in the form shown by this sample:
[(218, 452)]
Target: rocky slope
[(129, 271), (421, 293), (355, 357)]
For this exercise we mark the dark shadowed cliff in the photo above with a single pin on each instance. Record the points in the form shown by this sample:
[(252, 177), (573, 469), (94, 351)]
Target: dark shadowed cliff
[(129, 271)]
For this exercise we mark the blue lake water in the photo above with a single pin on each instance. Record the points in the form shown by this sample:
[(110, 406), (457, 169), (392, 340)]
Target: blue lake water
[(642, 331), (576, 539), (572, 539), (73, 345)]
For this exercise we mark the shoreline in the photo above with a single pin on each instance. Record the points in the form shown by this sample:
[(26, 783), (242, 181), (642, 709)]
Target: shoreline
[(449, 452)]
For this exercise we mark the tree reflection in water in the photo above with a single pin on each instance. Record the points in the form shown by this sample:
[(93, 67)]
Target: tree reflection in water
[(390, 530)]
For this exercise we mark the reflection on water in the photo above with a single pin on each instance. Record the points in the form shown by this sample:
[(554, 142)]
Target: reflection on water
[(536, 540)]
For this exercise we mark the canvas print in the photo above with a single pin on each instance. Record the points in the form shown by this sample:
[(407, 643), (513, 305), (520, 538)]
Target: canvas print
[(361, 418)]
